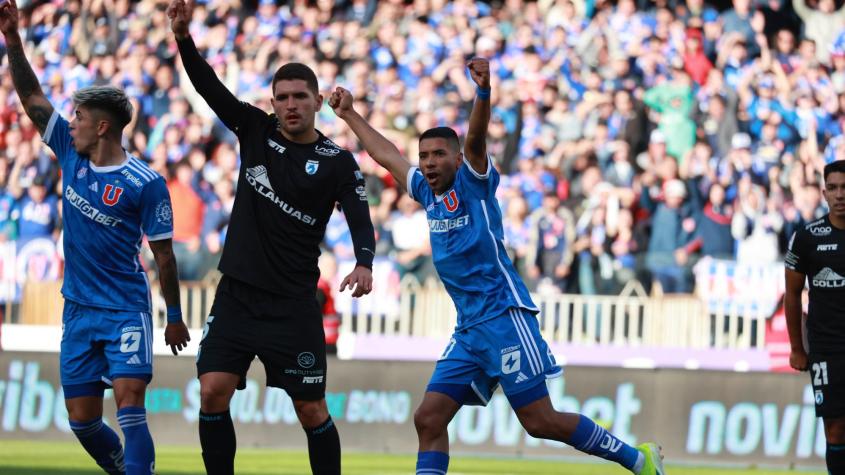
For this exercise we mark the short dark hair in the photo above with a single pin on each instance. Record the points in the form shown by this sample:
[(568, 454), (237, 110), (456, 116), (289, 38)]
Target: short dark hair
[(834, 167), (292, 71), (442, 133), (109, 99)]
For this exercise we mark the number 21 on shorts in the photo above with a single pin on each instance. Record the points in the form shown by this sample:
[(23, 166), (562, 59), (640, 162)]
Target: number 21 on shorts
[(820, 373), (819, 379)]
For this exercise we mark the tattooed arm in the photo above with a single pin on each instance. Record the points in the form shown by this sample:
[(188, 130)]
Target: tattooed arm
[(32, 98)]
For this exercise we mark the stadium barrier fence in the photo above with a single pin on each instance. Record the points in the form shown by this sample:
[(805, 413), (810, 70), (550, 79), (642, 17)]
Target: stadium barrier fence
[(424, 310)]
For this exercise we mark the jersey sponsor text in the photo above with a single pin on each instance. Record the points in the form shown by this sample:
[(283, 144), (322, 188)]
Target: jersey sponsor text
[(446, 225), (827, 278), (821, 230), (326, 152), (276, 146), (132, 178), (257, 177), (86, 209)]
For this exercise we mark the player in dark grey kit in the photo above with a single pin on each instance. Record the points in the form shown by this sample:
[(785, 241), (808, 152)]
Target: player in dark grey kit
[(817, 254), (291, 177)]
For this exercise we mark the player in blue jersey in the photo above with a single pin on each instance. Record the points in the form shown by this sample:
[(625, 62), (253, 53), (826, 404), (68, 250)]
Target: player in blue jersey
[(111, 202), (497, 339)]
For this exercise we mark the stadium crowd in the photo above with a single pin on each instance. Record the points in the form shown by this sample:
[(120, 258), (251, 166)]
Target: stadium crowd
[(633, 138)]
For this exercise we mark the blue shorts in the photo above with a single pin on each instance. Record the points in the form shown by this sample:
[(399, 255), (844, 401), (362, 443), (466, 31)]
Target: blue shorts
[(506, 350), (100, 345)]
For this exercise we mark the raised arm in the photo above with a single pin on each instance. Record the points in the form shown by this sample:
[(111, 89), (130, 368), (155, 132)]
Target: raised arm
[(32, 97), (227, 107), (475, 148), (801, 9), (382, 150)]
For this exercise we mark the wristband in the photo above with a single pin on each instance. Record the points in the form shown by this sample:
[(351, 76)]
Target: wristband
[(174, 314), (364, 265), (482, 93)]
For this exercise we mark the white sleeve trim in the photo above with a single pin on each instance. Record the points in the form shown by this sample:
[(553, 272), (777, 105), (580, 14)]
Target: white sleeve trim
[(48, 132), (160, 237), (410, 181), (479, 175)]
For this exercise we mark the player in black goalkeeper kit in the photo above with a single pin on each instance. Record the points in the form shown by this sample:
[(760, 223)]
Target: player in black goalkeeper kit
[(817, 254), (291, 177)]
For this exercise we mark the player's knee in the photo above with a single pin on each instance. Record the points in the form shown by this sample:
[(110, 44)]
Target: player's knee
[(311, 413), (835, 431), (536, 427), (84, 409), (428, 421), (129, 392), (215, 397), (538, 422)]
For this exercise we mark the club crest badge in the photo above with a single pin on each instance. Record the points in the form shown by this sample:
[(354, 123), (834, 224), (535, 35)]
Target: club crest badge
[(111, 194), (311, 167)]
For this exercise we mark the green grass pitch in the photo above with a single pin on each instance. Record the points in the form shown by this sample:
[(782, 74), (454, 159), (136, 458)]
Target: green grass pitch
[(19, 457)]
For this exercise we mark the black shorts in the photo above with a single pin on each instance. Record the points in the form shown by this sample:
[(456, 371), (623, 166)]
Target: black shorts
[(827, 375), (286, 335)]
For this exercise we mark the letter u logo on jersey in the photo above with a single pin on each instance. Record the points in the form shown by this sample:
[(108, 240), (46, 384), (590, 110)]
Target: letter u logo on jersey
[(111, 194), (451, 201)]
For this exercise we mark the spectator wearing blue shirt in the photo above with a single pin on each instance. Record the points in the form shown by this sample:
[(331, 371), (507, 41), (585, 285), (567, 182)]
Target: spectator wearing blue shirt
[(670, 233), (738, 20), (552, 239), (712, 236), (37, 213), (8, 226)]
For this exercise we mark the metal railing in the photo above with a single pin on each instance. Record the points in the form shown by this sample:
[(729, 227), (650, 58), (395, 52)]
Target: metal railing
[(41, 303), (632, 318)]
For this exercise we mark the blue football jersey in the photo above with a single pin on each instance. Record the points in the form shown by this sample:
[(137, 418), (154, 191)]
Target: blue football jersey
[(467, 244), (106, 213)]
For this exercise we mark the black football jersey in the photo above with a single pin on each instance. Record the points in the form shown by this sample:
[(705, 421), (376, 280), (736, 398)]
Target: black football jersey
[(818, 251), (285, 196), (286, 193)]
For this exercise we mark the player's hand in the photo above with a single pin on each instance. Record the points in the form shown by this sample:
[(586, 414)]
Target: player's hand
[(176, 335), (9, 17), (341, 101), (479, 70), (180, 13), (360, 281), (798, 360)]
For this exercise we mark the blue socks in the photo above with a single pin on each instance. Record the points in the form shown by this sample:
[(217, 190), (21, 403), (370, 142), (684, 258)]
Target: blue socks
[(595, 440), (432, 463), (140, 454), (588, 437), (101, 443)]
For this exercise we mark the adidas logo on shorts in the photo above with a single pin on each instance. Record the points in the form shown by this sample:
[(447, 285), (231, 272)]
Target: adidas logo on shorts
[(134, 360), (521, 377)]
